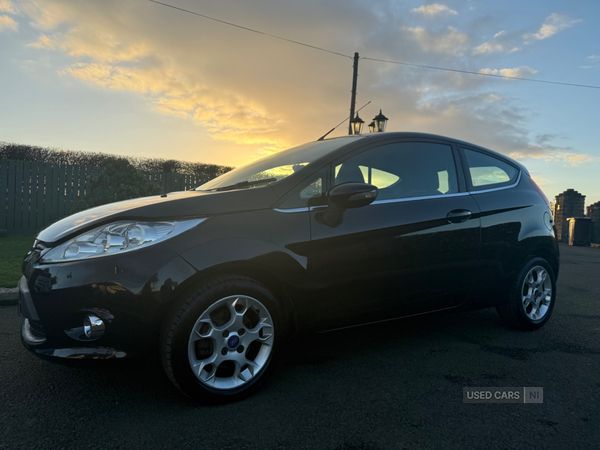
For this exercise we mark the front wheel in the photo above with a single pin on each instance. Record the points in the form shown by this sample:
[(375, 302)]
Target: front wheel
[(219, 345), (531, 298)]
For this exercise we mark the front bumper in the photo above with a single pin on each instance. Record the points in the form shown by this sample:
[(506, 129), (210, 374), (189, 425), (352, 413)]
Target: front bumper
[(33, 335), (130, 298)]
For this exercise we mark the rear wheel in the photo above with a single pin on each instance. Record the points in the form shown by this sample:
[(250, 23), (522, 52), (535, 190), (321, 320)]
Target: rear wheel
[(531, 298), (221, 343)]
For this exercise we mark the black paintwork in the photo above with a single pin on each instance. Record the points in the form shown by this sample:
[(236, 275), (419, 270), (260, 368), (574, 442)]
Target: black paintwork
[(381, 261)]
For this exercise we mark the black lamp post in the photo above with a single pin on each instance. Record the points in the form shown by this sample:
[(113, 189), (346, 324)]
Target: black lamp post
[(380, 122), (357, 124)]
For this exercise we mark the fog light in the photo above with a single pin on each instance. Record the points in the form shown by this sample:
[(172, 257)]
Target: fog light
[(93, 327)]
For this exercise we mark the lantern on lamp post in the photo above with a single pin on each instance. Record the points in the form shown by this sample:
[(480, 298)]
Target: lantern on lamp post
[(380, 121), (372, 127), (357, 124)]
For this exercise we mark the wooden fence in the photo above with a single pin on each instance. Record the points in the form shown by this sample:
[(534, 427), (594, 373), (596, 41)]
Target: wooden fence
[(35, 194)]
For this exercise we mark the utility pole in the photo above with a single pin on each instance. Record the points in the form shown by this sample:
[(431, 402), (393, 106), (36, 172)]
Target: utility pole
[(353, 101)]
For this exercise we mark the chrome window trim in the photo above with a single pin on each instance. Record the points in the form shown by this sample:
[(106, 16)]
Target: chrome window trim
[(483, 191), (291, 210), (425, 197), (409, 199)]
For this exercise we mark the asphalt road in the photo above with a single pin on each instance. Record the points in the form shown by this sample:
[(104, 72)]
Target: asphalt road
[(392, 386)]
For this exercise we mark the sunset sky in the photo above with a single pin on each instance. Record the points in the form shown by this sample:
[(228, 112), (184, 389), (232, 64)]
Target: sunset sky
[(133, 77)]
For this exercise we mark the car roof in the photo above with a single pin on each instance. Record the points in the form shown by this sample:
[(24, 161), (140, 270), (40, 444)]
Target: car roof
[(411, 134)]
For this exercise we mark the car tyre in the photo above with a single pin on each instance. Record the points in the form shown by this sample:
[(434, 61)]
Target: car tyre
[(531, 298), (221, 343)]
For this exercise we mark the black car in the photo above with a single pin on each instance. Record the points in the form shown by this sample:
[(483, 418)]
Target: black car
[(330, 234)]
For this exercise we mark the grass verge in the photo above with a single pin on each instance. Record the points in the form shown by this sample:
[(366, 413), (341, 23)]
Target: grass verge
[(12, 251)]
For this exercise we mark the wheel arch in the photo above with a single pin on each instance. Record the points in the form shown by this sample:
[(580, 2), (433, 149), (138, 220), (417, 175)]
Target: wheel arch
[(548, 255), (278, 286)]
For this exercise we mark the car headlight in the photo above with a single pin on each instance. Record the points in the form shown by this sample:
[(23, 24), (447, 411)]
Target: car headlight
[(117, 237)]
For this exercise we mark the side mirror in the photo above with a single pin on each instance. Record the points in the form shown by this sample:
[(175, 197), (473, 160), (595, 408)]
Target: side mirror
[(352, 195), (345, 196)]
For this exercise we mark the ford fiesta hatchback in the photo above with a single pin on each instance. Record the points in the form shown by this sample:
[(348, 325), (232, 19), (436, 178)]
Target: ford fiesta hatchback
[(333, 233)]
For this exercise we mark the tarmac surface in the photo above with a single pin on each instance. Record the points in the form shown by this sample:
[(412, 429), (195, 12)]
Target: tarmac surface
[(397, 385)]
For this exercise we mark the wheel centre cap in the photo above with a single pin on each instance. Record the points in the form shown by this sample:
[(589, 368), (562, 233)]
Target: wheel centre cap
[(233, 341)]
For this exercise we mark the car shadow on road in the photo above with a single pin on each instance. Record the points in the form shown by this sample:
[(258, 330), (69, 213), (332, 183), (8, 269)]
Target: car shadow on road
[(309, 356)]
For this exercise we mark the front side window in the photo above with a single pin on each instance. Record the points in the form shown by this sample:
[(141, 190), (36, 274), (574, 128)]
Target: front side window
[(314, 189), (488, 171), (310, 193), (403, 170)]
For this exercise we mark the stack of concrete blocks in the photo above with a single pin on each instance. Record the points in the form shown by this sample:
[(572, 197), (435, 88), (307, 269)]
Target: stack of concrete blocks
[(593, 212), (568, 204)]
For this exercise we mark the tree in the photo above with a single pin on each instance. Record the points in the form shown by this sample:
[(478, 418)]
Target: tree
[(119, 180)]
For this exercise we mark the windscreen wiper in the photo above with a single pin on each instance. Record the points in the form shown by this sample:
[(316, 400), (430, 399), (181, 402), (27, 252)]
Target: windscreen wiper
[(243, 184)]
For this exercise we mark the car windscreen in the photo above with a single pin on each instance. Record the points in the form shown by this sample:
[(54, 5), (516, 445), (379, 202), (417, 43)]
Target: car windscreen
[(275, 167)]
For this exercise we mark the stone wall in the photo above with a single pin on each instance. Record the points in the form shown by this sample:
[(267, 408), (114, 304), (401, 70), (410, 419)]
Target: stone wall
[(568, 204)]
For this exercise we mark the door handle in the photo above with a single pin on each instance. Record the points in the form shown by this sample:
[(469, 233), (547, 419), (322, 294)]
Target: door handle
[(458, 215)]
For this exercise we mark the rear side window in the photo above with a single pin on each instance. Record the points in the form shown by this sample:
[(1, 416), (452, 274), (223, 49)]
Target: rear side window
[(489, 172)]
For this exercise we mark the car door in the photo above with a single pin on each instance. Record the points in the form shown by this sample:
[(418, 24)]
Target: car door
[(413, 250)]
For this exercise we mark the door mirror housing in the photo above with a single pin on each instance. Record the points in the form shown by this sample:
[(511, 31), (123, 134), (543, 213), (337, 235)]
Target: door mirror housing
[(345, 196), (352, 195)]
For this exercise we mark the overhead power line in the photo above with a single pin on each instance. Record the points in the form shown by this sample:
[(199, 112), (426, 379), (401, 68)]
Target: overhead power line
[(480, 73), (325, 135), (251, 29), (314, 47)]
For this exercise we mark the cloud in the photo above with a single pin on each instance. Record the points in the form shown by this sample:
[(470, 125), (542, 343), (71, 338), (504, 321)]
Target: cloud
[(500, 125), (541, 147), (451, 42), (510, 42), (6, 6), (553, 24), (541, 181), (517, 72), (102, 47), (492, 47), (122, 61), (48, 14), (592, 59), (569, 158), (8, 24), (545, 138), (226, 115), (502, 42), (573, 159), (433, 10), (254, 95), (43, 42), (491, 98)]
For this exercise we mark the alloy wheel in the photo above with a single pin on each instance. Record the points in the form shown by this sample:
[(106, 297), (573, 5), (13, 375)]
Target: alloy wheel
[(536, 293), (231, 342)]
